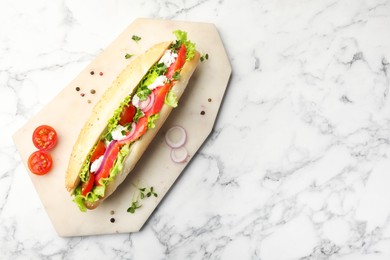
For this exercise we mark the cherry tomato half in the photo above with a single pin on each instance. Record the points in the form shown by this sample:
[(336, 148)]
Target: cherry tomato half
[(40, 162), (127, 115), (99, 151), (44, 137)]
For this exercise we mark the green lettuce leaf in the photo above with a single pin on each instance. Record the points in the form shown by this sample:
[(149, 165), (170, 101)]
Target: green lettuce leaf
[(99, 191), (181, 38), (151, 77), (84, 173), (151, 120), (171, 99), (138, 115), (80, 199), (113, 121)]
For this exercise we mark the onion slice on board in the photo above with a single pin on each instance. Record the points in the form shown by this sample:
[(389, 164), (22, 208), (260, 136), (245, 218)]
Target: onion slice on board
[(176, 137), (179, 155)]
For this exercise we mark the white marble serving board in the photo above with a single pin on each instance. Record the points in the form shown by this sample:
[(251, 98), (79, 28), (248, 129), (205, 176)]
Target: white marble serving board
[(68, 111)]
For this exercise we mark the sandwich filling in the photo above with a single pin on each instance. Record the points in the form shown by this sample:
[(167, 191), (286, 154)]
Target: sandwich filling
[(135, 115)]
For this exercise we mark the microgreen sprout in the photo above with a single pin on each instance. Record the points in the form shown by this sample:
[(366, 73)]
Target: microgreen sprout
[(204, 57), (142, 194)]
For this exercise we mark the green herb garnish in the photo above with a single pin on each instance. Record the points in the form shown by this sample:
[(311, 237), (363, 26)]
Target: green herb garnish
[(161, 68), (204, 57), (143, 93), (108, 137), (138, 115), (176, 75), (151, 192), (142, 192), (133, 207), (136, 38), (128, 56)]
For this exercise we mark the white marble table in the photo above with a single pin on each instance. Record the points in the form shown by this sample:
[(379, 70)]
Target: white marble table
[(298, 166)]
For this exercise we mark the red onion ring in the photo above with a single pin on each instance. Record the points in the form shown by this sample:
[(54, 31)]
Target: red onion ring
[(170, 134), (133, 125), (151, 98), (110, 146), (179, 155), (131, 133), (144, 103)]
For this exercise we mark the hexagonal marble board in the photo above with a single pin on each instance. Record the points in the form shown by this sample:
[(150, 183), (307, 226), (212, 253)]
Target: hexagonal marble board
[(204, 93)]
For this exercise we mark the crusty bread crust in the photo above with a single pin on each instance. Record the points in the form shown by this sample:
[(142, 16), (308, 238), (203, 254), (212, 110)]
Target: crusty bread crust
[(139, 147), (124, 84)]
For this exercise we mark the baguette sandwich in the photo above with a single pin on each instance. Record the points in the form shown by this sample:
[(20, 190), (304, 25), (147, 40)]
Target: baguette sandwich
[(127, 117)]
